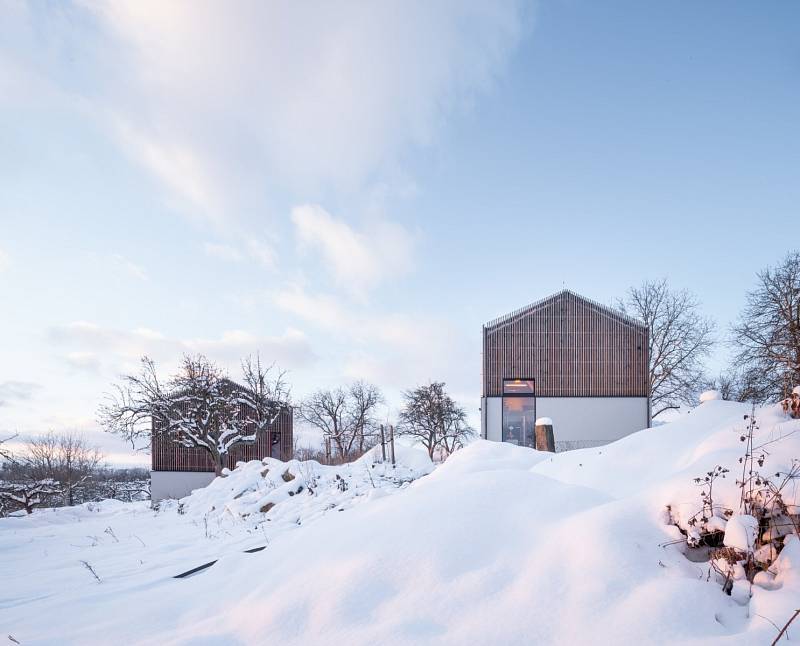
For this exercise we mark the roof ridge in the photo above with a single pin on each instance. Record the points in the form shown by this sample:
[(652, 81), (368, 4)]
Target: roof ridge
[(506, 318)]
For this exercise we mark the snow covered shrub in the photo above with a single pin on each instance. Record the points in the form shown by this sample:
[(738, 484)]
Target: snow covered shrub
[(708, 524), (26, 494), (747, 535)]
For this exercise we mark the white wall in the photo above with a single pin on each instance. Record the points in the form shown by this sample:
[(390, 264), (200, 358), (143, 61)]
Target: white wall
[(581, 419), (176, 484), (492, 418)]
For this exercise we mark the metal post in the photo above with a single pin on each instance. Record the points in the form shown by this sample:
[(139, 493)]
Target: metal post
[(391, 440), (383, 444)]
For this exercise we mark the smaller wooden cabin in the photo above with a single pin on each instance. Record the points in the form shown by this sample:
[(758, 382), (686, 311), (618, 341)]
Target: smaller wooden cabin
[(566, 357), (176, 470)]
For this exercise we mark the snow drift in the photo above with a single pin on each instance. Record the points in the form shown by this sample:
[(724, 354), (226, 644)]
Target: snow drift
[(499, 545)]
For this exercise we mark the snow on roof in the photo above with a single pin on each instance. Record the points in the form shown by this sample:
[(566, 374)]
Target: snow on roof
[(544, 421)]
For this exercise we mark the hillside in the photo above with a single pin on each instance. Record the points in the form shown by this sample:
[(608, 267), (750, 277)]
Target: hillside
[(498, 545)]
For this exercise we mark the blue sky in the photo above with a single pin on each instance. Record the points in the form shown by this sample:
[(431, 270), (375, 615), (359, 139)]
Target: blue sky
[(353, 189)]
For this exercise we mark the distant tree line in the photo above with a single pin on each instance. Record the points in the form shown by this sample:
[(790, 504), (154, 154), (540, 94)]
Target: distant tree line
[(63, 469)]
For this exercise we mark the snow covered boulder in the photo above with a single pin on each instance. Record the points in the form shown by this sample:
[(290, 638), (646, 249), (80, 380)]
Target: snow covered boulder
[(740, 532), (709, 396)]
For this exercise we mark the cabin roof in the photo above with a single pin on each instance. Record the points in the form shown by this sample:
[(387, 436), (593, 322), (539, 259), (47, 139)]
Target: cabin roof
[(603, 310)]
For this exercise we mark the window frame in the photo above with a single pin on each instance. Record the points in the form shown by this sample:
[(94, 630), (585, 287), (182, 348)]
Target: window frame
[(531, 395)]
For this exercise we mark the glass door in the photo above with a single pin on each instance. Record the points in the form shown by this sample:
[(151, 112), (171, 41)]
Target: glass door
[(519, 412)]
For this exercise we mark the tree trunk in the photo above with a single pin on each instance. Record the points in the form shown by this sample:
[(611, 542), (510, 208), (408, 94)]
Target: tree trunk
[(219, 464)]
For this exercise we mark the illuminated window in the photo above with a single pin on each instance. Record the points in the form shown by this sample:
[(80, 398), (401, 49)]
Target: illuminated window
[(518, 387)]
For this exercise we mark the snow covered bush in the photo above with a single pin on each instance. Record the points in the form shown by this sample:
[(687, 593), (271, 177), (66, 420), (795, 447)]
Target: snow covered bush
[(26, 494), (748, 532)]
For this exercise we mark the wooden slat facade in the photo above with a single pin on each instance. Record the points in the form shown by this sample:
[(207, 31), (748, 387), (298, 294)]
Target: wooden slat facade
[(169, 456), (571, 346)]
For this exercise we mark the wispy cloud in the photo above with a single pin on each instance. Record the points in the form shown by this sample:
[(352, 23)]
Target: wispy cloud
[(15, 391), (88, 347), (129, 267), (253, 249), (392, 349), (224, 252), (358, 259), (215, 100)]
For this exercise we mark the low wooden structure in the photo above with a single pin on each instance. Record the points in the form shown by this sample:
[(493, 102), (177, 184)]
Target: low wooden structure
[(176, 469)]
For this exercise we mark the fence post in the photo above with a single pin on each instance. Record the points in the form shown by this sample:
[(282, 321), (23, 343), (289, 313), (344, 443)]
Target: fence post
[(383, 443), (391, 440)]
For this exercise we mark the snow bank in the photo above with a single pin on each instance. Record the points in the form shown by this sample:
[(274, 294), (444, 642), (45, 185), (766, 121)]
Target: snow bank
[(740, 532), (501, 544), (709, 396), (302, 491)]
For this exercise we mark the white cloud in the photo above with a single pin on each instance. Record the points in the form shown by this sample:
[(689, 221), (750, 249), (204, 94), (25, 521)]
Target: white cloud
[(89, 347), (261, 252), (359, 259), (256, 250), (394, 350), (321, 309), (14, 391), (360, 323), (129, 267), (219, 99), (225, 252)]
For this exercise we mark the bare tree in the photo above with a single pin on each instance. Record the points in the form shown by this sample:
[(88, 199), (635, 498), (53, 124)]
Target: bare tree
[(26, 494), (767, 334), (433, 417), (66, 458), (199, 407), (5, 452), (346, 417), (738, 385), (680, 338), (364, 399)]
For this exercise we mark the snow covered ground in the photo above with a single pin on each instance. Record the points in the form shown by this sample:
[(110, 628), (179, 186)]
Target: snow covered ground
[(499, 545)]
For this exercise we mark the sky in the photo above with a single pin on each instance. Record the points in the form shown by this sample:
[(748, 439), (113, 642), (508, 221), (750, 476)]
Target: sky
[(352, 189)]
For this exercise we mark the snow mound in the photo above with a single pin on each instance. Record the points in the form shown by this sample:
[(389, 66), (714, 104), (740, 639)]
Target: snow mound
[(740, 532), (500, 544), (544, 421), (709, 396), (302, 491)]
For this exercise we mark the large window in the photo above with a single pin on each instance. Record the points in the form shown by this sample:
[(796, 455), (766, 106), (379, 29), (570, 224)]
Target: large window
[(519, 411)]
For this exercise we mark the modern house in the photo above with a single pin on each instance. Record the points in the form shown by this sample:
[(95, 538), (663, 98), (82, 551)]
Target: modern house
[(176, 470), (582, 364)]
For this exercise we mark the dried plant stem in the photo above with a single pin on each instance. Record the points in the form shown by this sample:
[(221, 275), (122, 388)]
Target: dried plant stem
[(786, 625)]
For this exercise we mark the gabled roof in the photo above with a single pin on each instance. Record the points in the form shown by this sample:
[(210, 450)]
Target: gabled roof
[(603, 310)]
